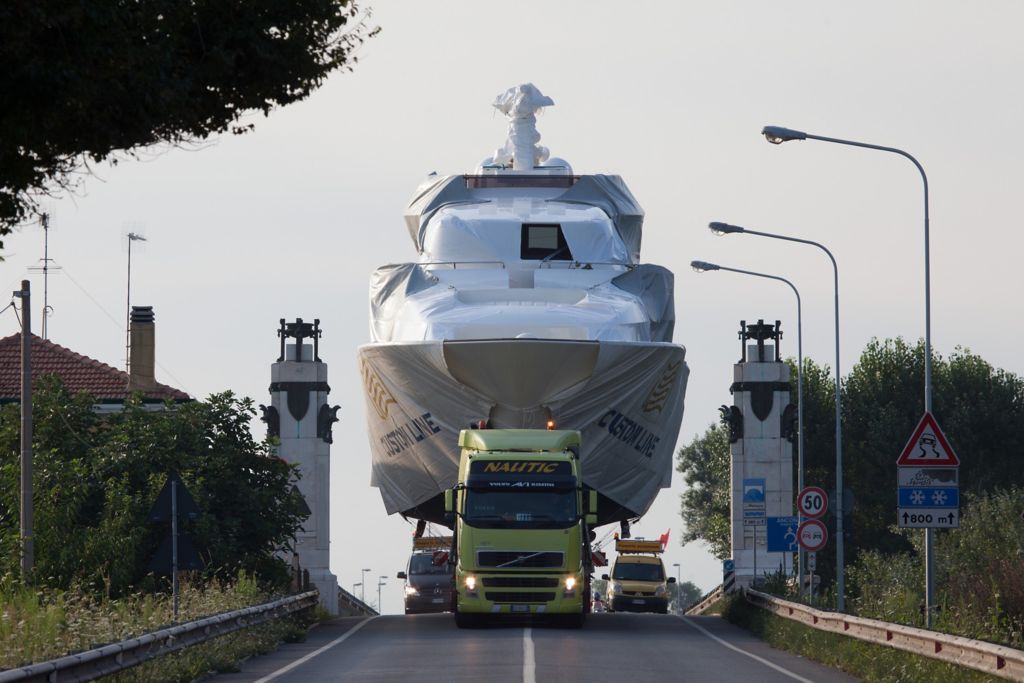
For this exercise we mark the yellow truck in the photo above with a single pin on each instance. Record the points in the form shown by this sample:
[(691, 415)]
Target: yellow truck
[(521, 521), (638, 582)]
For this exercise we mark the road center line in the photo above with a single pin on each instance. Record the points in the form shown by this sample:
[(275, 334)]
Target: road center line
[(325, 648), (742, 652), (529, 663)]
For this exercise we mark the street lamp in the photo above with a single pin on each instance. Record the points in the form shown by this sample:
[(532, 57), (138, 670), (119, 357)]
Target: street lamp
[(380, 582), (356, 585), (727, 229), (777, 135), (679, 593), (703, 266), (132, 237), (362, 578)]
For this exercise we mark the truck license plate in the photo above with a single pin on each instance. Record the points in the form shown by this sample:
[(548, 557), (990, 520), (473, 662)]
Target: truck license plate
[(638, 601), (437, 600), (520, 608)]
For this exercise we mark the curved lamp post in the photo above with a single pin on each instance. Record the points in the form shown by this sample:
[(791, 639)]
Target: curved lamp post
[(726, 229), (703, 266), (362, 583), (777, 135)]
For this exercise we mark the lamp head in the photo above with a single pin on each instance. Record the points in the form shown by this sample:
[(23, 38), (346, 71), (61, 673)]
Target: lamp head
[(777, 134), (702, 266), (724, 228)]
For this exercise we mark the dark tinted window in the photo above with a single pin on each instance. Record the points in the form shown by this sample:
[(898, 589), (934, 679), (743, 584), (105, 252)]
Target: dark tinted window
[(545, 242), (424, 564), (635, 571)]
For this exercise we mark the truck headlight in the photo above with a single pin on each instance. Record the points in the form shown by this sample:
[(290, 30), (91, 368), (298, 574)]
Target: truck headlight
[(570, 583), (411, 590), (660, 590), (470, 582), (617, 588)]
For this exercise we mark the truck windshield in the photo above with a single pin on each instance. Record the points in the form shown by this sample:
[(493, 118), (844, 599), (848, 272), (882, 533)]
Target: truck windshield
[(424, 564), (521, 509), (636, 571)]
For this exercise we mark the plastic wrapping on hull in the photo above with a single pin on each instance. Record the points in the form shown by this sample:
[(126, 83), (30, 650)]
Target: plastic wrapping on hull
[(625, 397)]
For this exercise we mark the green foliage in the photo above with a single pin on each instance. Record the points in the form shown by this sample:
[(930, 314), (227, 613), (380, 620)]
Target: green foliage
[(38, 625), (82, 81), (686, 593), (96, 479), (704, 464)]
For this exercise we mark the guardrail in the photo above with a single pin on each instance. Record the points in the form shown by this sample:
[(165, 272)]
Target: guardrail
[(997, 660), (701, 605), (351, 606), (109, 659)]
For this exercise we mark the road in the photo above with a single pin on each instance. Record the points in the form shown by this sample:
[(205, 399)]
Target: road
[(619, 648)]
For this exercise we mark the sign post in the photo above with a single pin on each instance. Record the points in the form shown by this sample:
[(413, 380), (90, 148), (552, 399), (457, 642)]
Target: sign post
[(928, 496), (811, 503)]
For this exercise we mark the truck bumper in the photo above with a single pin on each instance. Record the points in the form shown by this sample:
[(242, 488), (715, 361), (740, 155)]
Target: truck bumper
[(629, 603), (521, 601)]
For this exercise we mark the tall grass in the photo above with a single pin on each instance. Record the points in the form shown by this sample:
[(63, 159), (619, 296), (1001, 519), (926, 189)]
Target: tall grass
[(37, 625)]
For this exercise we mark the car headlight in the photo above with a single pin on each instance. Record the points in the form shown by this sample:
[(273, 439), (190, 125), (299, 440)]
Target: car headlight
[(660, 590), (617, 588), (570, 583), (411, 590), (470, 582)]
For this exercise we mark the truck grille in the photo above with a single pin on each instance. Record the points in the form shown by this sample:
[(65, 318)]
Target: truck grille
[(507, 559), (520, 582), (511, 596)]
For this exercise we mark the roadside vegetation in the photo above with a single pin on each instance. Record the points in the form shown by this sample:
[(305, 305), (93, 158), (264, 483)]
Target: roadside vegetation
[(96, 478), (38, 625)]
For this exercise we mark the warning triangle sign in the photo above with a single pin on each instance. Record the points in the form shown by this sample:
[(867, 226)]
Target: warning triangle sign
[(928, 446)]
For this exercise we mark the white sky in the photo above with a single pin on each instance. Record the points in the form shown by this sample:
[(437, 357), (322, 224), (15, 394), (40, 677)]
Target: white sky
[(290, 220)]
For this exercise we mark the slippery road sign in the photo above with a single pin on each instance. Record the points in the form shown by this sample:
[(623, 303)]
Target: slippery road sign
[(928, 446)]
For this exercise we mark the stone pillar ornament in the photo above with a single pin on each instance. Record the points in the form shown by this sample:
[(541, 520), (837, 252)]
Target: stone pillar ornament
[(299, 415)]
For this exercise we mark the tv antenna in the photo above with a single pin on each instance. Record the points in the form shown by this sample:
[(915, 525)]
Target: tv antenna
[(48, 265), (132, 237)]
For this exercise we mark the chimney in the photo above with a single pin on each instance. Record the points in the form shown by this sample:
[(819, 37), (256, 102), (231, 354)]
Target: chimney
[(142, 357)]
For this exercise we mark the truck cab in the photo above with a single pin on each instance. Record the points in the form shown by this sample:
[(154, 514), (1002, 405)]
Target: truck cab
[(521, 521), (638, 582), (428, 577)]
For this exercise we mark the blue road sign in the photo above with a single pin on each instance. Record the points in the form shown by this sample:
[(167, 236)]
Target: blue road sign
[(728, 565), (914, 497), (753, 491), (782, 534)]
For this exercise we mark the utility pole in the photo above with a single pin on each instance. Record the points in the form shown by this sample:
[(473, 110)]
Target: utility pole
[(27, 549)]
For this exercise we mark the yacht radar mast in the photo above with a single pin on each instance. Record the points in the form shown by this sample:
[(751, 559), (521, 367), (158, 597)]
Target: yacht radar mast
[(520, 104)]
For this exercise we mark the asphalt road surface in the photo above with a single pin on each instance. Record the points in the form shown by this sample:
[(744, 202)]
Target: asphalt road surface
[(613, 648)]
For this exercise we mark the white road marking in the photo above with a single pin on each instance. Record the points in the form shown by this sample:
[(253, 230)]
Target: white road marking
[(325, 648), (743, 652), (529, 663)]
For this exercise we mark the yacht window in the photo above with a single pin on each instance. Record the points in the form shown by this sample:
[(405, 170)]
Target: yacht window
[(544, 241)]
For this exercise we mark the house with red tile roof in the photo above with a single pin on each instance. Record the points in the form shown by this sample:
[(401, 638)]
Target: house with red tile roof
[(107, 385)]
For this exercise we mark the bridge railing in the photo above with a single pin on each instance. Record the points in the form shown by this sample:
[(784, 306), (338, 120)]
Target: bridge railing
[(705, 602), (996, 660), (109, 659)]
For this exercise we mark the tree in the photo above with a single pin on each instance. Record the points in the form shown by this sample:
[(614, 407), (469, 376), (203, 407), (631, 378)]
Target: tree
[(704, 464), (97, 477), (85, 80)]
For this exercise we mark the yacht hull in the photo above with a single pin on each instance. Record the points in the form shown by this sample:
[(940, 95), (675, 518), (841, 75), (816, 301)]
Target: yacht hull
[(625, 397)]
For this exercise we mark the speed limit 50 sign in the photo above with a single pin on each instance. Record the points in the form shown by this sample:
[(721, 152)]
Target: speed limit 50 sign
[(812, 502)]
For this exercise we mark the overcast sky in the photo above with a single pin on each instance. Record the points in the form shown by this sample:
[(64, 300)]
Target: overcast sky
[(290, 220)]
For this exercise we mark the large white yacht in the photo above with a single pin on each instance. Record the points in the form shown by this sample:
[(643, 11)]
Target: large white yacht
[(527, 302)]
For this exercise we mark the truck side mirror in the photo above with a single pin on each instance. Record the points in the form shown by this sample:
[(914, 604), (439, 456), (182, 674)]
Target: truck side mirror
[(671, 579), (401, 575), (604, 577), (449, 500), (592, 503), (591, 519)]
